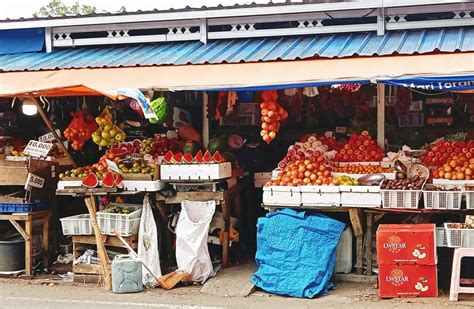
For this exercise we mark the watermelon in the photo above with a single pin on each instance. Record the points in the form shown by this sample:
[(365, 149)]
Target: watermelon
[(188, 158), (108, 181), (168, 157), (207, 158), (217, 143), (91, 181), (192, 147), (198, 157), (177, 158), (119, 151), (118, 181), (216, 157)]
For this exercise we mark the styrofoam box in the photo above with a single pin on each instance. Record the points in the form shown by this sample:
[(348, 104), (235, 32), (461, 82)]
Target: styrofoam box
[(282, 196), (389, 176), (320, 196), (129, 185), (195, 171), (360, 196)]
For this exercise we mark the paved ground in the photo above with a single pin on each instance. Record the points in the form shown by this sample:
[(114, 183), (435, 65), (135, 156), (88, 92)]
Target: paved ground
[(47, 293)]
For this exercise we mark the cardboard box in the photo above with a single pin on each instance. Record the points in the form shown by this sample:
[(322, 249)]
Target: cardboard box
[(408, 281), (406, 244)]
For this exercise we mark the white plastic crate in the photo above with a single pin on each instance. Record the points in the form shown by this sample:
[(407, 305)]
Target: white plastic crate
[(195, 171), (360, 196), (469, 199), (442, 199), (458, 237), (282, 196), (125, 224), (400, 198), (77, 225), (320, 196), (457, 183), (441, 240)]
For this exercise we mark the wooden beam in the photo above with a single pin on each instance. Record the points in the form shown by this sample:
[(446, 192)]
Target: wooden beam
[(381, 115), (49, 124), (205, 119), (104, 259), (20, 229)]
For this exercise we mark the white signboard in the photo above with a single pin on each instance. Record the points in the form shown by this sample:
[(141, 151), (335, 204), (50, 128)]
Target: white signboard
[(37, 149), (34, 181), (113, 166), (48, 137)]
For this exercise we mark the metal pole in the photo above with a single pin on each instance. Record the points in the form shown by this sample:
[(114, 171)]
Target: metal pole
[(381, 115), (205, 119)]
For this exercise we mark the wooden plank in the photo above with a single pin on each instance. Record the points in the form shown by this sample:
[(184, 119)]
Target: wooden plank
[(28, 248), (20, 229), (368, 247), (91, 207), (355, 215), (13, 175), (45, 240), (108, 240), (193, 196), (89, 268), (359, 254)]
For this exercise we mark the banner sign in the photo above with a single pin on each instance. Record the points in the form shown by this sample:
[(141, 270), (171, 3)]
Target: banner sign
[(138, 96), (448, 83)]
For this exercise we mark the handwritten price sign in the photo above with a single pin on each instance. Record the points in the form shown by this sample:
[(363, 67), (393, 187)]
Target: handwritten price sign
[(37, 149), (34, 181)]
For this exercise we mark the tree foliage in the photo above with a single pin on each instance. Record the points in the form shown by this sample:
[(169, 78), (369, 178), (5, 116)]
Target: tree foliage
[(58, 8)]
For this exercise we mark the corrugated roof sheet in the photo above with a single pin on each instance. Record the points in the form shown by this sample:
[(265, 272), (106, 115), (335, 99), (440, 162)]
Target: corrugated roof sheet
[(248, 50)]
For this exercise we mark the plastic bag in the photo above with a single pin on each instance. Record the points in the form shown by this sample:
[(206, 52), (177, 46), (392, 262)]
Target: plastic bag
[(148, 245), (80, 129), (192, 253)]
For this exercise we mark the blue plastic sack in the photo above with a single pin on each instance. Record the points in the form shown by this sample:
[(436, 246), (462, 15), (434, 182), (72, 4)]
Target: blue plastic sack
[(296, 253)]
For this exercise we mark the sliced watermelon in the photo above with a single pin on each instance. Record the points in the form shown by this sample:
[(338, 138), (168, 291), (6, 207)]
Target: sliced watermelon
[(216, 157), (198, 157), (177, 158), (188, 158), (207, 158), (119, 151), (168, 157), (118, 181), (91, 181), (108, 181)]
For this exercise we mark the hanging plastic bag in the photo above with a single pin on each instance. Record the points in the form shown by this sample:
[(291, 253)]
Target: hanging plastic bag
[(148, 245), (192, 254)]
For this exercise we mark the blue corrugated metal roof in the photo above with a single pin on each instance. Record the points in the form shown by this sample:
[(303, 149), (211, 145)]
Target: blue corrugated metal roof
[(247, 50)]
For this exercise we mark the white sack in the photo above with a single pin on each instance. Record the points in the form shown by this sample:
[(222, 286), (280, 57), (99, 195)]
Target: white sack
[(192, 254), (148, 245)]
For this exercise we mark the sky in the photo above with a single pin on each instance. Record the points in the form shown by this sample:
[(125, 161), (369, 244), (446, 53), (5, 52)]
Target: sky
[(26, 8)]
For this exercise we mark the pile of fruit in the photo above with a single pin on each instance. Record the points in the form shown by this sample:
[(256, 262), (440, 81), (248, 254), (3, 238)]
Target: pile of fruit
[(272, 115), (329, 141), (456, 159), (305, 172), (347, 181), (360, 148), (80, 129), (414, 183), (362, 169), (119, 210), (458, 168), (188, 158), (311, 149), (107, 134)]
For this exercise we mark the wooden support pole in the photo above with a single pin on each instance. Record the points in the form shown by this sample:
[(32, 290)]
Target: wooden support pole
[(48, 123), (205, 120), (381, 115), (104, 259), (355, 216)]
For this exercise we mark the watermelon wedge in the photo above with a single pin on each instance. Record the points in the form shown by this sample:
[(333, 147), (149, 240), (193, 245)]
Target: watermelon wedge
[(207, 158), (91, 181), (177, 158), (168, 156), (119, 151), (216, 157), (118, 181), (108, 181), (188, 158), (198, 157)]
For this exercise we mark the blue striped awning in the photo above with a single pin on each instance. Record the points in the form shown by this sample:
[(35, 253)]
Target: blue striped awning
[(247, 50)]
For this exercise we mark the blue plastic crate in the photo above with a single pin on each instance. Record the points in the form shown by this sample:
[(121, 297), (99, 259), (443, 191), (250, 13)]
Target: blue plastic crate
[(23, 207)]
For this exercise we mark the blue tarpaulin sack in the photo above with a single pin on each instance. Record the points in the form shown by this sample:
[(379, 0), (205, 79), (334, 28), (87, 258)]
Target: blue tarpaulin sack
[(296, 252)]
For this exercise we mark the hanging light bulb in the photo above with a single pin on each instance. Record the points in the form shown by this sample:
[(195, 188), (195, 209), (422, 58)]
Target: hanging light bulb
[(29, 107)]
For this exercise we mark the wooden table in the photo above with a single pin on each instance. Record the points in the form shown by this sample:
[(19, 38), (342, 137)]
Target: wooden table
[(372, 215), (226, 199), (27, 234), (81, 242)]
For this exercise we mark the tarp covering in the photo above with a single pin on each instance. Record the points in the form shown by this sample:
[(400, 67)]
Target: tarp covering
[(441, 83), (226, 76), (19, 41), (296, 252)]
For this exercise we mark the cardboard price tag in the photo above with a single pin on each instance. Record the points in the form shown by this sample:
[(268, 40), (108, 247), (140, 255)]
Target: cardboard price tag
[(34, 181), (48, 137), (37, 149)]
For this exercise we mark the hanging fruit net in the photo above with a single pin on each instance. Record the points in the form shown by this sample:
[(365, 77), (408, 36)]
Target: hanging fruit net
[(80, 129), (108, 133), (272, 115)]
